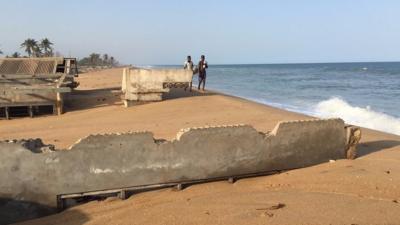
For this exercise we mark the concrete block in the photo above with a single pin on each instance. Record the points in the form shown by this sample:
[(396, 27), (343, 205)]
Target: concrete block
[(109, 161), (149, 84)]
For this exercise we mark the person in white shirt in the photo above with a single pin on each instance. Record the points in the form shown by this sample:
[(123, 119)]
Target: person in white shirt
[(188, 65)]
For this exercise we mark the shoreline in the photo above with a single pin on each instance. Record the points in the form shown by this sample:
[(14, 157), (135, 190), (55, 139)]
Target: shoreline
[(292, 111)]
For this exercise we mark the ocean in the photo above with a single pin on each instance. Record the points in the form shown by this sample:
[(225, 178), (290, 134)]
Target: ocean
[(364, 94)]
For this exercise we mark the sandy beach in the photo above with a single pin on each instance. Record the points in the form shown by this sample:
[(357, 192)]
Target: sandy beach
[(361, 191)]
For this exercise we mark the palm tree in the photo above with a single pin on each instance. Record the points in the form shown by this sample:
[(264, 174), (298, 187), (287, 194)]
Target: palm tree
[(45, 45), (30, 46), (37, 51), (94, 59), (112, 60), (105, 59), (16, 55)]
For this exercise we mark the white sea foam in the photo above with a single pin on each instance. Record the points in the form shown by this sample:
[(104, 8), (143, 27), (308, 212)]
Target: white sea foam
[(366, 117)]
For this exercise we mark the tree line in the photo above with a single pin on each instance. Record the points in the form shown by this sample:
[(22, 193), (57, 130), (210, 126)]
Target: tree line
[(42, 48), (38, 49), (96, 59)]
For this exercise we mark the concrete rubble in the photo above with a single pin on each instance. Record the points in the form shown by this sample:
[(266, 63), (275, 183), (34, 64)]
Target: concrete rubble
[(32, 182), (149, 84)]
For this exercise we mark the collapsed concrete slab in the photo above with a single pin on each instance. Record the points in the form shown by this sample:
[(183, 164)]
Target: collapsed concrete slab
[(148, 84), (110, 161)]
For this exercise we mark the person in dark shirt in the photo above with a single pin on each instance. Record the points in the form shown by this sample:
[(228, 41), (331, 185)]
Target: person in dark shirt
[(203, 65)]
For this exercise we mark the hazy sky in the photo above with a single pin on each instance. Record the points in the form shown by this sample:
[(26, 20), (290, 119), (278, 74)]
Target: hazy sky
[(231, 31)]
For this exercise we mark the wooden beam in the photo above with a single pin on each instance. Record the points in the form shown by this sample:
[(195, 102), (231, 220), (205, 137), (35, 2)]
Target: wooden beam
[(36, 104), (59, 104), (59, 100), (37, 89), (7, 113), (27, 76), (61, 80), (30, 111), (122, 195), (58, 59), (55, 63)]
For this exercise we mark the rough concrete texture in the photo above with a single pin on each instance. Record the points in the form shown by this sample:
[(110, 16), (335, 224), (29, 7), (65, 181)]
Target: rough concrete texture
[(34, 145), (149, 84), (100, 162)]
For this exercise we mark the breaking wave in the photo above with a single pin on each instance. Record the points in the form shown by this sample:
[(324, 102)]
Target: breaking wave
[(365, 117)]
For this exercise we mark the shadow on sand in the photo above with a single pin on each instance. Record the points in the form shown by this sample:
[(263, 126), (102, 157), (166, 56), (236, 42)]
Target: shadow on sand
[(15, 211), (375, 146), (89, 99), (176, 93), (96, 98)]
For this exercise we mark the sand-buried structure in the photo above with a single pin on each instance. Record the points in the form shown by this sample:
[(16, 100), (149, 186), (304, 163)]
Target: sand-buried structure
[(35, 184), (139, 84), (31, 83)]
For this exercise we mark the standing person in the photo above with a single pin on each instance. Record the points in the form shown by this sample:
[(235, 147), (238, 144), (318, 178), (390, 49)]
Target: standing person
[(203, 65), (189, 66)]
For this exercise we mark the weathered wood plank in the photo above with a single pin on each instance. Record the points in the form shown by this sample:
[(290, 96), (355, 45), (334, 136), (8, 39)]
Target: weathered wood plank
[(7, 113), (36, 89), (17, 104), (30, 111), (27, 76)]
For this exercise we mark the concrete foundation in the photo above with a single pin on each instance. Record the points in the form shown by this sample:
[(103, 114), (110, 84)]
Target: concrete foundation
[(101, 162), (149, 84)]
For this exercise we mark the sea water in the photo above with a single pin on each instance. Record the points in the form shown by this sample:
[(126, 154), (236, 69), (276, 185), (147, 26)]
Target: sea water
[(364, 94)]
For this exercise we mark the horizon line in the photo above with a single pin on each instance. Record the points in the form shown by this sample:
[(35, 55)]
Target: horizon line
[(290, 63)]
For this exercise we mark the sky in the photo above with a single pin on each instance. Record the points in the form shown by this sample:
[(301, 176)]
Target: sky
[(163, 32)]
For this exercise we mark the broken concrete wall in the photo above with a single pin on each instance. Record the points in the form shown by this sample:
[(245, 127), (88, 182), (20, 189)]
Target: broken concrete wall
[(149, 84), (109, 161)]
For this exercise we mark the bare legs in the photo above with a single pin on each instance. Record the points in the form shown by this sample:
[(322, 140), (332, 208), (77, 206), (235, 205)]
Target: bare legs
[(190, 87), (202, 80)]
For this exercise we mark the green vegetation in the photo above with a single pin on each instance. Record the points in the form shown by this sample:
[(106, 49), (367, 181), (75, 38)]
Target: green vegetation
[(16, 55), (30, 46), (38, 49), (34, 48), (45, 45), (96, 59), (44, 48)]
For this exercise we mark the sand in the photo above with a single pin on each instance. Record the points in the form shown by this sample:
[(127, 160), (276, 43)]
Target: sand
[(361, 191)]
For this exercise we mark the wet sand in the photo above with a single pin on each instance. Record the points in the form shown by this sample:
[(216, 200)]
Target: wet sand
[(361, 191)]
